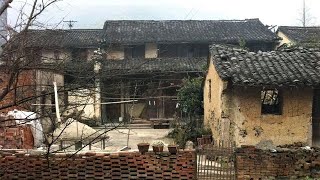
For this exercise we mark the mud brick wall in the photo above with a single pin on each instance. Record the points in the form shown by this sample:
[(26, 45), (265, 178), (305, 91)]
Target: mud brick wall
[(126, 165), (298, 163)]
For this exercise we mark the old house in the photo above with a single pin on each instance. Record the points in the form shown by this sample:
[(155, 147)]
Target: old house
[(142, 60), (47, 56), (147, 60), (297, 35), (253, 97)]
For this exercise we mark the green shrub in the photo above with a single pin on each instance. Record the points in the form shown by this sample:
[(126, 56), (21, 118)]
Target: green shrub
[(190, 96), (188, 132)]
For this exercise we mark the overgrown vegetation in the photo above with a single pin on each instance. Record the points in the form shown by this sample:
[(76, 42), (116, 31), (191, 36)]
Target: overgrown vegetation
[(188, 132), (190, 98)]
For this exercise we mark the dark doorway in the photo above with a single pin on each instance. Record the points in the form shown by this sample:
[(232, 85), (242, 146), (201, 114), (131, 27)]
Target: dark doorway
[(316, 118)]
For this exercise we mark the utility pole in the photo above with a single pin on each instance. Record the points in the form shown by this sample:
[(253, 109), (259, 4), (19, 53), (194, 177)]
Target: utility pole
[(304, 13), (70, 23)]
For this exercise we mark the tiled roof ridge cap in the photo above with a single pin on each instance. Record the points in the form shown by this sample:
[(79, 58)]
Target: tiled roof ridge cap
[(229, 48), (78, 29), (222, 20), (299, 27)]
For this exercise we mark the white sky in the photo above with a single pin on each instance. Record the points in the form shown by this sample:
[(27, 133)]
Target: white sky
[(93, 13)]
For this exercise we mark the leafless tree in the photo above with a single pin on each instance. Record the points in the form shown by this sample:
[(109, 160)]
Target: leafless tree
[(305, 16), (19, 63)]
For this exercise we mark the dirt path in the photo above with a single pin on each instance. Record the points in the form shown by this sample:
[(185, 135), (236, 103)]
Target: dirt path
[(118, 138)]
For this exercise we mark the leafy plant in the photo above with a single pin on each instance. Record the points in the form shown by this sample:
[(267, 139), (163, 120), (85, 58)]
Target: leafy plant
[(242, 43), (190, 96), (188, 132), (157, 143)]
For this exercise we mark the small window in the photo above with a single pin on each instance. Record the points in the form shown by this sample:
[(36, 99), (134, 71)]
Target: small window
[(137, 51), (56, 54), (271, 102), (209, 91), (128, 52), (53, 102), (79, 55)]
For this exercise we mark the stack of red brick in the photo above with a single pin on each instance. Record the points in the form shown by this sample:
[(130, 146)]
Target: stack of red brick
[(13, 136), (252, 163), (129, 165)]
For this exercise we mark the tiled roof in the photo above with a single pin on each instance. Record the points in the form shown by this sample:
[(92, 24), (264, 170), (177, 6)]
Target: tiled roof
[(64, 38), (157, 65), (301, 34), (171, 31), (287, 67)]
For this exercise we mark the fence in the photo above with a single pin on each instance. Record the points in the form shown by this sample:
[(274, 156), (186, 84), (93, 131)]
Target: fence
[(215, 160), (90, 165)]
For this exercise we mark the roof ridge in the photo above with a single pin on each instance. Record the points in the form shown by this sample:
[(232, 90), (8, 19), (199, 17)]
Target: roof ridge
[(180, 20), (299, 27), (299, 66), (65, 29)]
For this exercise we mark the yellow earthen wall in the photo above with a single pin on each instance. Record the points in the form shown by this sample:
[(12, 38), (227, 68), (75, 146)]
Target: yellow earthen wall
[(83, 96), (294, 125), (48, 55), (151, 50), (115, 53), (285, 39), (213, 109)]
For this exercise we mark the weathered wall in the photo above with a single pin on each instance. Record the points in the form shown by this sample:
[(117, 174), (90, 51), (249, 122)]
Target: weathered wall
[(45, 78), (44, 84), (213, 109), (83, 96), (285, 39), (136, 110), (257, 164), (251, 127), (15, 137), (115, 52), (126, 165), (47, 55), (26, 82), (91, 54), (151, 50)]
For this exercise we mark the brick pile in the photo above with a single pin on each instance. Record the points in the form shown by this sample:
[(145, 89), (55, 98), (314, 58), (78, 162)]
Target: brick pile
[(124, 165), (19, 137), (13, 136), (297, 163)]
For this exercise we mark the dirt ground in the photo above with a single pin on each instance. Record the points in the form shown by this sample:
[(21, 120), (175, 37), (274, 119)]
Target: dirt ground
[(118, 138)]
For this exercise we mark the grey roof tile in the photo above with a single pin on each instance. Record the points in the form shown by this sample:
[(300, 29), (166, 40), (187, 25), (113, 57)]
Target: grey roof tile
[(157, 65), (82, 38), (302, 34), (290, 67), (171, 31)]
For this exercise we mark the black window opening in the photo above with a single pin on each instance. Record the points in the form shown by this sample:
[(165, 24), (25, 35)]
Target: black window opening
[(183, 50), (271, 102), (33, 55), (131, 52), (79, 55), (209, 90), (56, 55)]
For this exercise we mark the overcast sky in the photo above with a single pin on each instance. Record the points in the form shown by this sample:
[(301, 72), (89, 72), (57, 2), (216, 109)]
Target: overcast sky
[(93, 13)]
